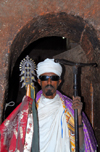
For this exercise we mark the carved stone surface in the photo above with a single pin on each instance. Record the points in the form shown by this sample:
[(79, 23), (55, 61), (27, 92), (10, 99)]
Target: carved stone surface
[(23, 22)]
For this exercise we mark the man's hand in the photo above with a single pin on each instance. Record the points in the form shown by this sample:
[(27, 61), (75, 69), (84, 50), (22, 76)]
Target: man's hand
[(77, 104)]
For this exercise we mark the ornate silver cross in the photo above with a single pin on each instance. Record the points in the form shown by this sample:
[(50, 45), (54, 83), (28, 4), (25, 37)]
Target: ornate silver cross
[(27, 68)]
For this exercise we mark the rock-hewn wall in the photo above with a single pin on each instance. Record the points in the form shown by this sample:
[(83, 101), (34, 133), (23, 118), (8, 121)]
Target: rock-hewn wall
[(22, 22)]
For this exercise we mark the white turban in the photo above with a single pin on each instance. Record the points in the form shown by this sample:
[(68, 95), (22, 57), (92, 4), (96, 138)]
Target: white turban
[(48, 65)]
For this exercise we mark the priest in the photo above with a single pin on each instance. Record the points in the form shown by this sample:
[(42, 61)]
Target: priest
[(56, 114)]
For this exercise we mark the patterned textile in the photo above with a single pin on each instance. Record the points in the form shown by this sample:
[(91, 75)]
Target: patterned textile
[(90, 141), (29, 134), (13, 129)]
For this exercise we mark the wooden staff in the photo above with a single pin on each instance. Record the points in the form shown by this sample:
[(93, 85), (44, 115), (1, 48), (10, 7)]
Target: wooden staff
[(75, 66)]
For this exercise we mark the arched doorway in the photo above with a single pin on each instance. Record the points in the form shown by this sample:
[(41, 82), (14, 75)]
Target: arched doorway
[(59, 25)]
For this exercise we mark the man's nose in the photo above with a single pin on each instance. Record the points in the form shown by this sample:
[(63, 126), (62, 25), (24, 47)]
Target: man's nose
[(49, 81)]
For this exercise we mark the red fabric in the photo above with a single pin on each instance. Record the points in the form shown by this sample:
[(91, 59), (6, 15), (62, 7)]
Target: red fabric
[(13, 129)]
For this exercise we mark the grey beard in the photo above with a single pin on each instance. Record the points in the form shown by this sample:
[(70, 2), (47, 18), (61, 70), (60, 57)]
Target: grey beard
[(49, 93)]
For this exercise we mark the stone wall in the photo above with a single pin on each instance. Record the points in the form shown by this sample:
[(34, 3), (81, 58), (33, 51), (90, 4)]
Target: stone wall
[(23, 22)]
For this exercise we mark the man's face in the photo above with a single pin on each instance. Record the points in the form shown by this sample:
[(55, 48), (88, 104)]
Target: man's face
[(49, 86)]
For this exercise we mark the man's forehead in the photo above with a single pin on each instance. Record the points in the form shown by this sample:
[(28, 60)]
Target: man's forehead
[(48, 74)]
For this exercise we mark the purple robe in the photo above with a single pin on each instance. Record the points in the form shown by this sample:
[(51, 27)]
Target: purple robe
[(89, 138)]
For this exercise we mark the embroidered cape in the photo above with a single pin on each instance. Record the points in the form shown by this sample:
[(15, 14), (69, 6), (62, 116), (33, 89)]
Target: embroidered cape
[(13, 129)]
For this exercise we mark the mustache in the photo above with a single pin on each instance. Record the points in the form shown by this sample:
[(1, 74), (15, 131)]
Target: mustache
[(49, 86)]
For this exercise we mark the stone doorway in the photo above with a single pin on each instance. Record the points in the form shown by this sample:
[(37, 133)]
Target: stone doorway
[(46, 47)]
